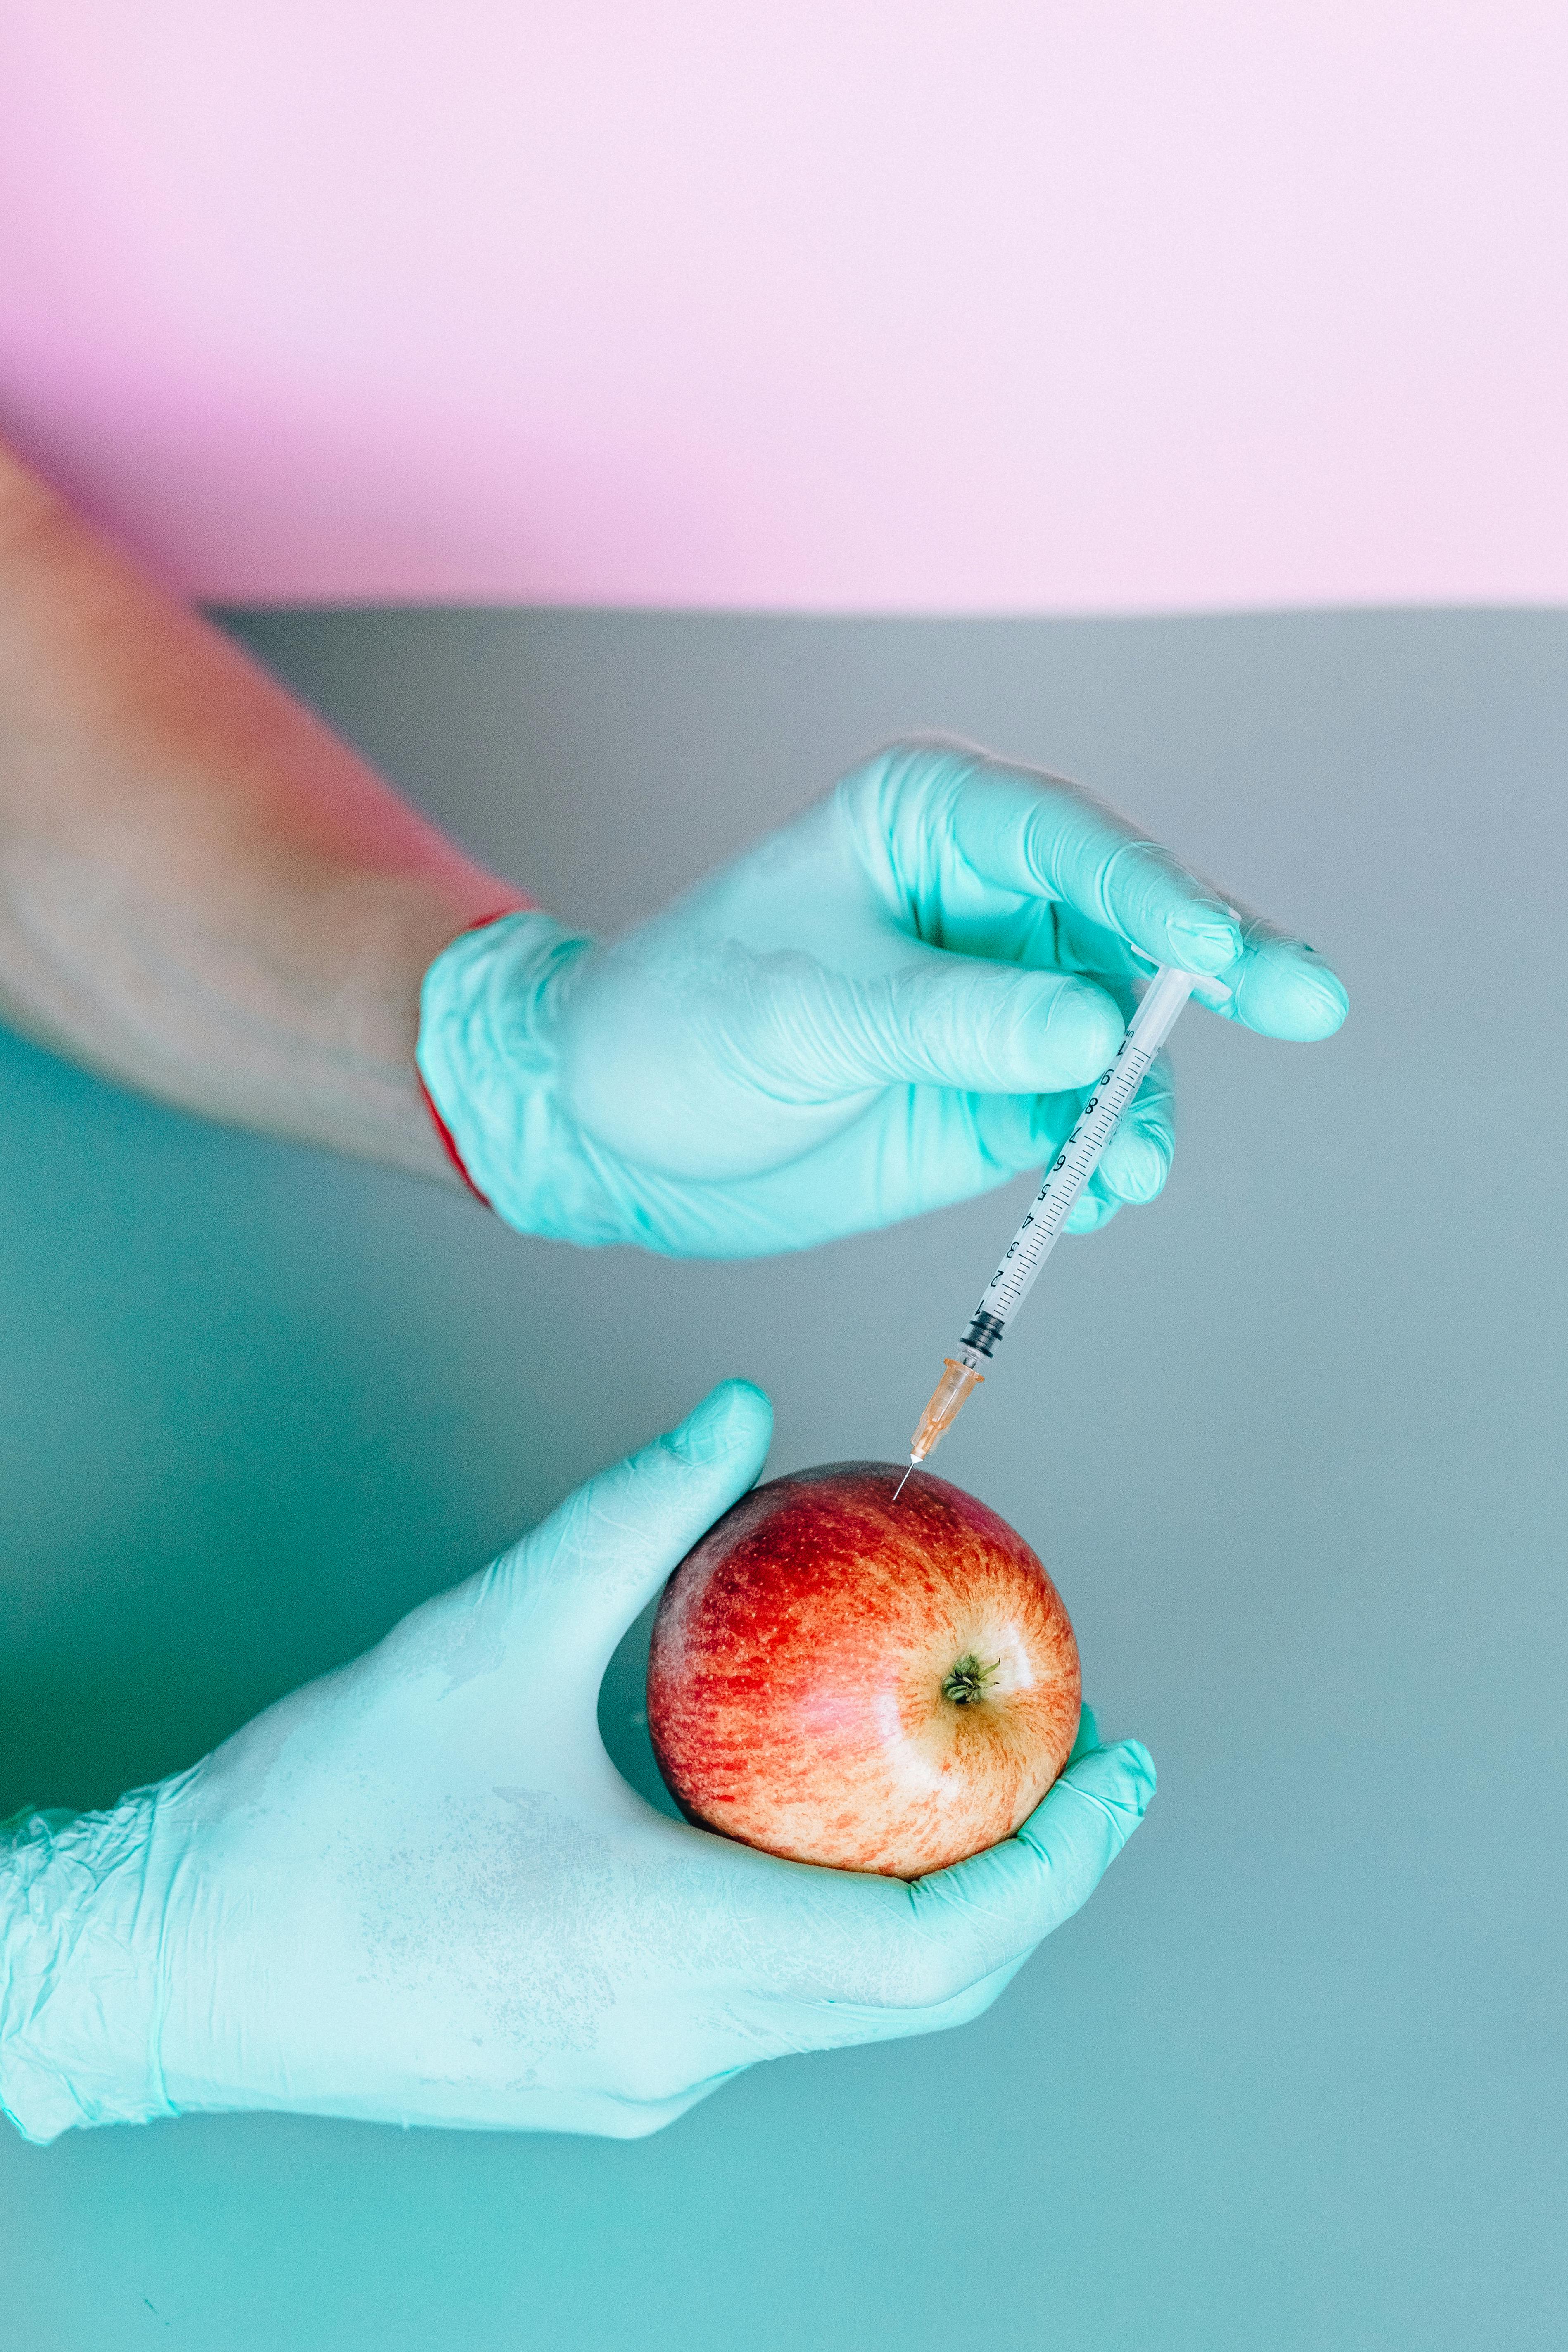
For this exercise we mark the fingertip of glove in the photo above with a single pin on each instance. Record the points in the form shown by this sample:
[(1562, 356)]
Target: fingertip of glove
[(1140, 1770), (1122, 1774), (735, 1416), (1324, 1003), (1285, 992)]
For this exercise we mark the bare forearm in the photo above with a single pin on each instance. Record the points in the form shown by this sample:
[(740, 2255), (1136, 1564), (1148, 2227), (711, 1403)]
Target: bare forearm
[(203, 892)]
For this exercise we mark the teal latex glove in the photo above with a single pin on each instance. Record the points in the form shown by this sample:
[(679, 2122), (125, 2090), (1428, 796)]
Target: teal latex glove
[(895, 1002), (418, 1891)]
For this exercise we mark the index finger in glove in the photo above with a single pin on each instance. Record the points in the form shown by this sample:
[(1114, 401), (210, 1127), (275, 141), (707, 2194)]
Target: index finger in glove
[(1013, 823), (1032, 835), (1281, 987), (1037, 835)]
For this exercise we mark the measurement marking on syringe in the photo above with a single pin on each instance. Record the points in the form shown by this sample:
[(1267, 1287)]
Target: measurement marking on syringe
[(1047, 1213), (1055, 1199)]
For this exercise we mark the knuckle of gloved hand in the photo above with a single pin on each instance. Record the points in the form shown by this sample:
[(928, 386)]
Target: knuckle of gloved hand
[(651, 2082), (973, 2000), (633, 2119), (922, 759), (931, 1972), (906, 773), (1133, 882)]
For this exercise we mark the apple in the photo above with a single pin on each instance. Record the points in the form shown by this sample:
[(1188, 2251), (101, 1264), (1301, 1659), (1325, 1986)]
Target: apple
[(842, 1678)]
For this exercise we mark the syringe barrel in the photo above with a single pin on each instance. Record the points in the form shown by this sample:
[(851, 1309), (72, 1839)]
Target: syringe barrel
[(1076, 1162)]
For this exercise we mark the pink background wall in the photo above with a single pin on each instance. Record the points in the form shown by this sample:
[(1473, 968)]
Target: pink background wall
[(978, 306)]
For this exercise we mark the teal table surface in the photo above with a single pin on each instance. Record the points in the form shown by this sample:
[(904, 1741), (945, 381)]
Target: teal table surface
[(1296, 2078)]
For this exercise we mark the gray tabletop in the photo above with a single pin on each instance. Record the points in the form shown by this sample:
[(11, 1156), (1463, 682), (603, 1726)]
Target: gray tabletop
[(1293, 1443)]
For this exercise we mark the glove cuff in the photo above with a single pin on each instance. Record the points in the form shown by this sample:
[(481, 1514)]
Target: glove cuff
[(487, 1060), (80, 1990)]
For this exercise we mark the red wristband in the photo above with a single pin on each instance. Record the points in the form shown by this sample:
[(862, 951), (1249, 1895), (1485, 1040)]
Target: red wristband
[(439, 1124), (445, 1132)]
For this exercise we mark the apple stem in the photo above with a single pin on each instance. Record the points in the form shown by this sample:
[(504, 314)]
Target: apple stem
[(966, 1681)]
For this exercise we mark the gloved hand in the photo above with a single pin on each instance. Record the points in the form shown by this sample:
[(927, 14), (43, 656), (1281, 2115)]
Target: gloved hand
[(893, 1004), (417, 1891)]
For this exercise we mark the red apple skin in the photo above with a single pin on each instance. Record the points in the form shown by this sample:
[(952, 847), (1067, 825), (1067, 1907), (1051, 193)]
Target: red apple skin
[(805, 1663)]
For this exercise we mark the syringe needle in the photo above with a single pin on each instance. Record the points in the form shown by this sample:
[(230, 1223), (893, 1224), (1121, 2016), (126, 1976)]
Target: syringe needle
[(905, 1479)]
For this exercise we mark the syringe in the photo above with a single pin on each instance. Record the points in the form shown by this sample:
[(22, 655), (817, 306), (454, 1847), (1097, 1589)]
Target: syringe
[(1068, 1174)]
